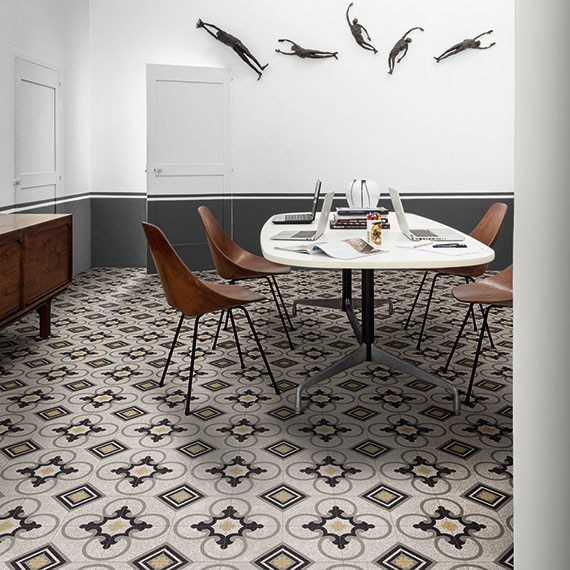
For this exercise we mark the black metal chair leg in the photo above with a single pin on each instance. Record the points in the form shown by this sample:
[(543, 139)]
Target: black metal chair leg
[(487, 327), (427, 309), (226, 323), (252, 327), (280, 313), (466, 318), (415, 300), (191, 371), (471, 280), (236, 338), (477, 352), (273, 278), (218, 328), (161, 383)]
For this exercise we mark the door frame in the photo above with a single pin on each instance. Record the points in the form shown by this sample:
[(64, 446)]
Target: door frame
[(34, 184), (174, 207), (195, 74)]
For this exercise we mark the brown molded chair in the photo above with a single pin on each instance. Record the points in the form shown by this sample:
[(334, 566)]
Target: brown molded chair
[(494, 291), (486, 232), (194, 298), (235, 263)]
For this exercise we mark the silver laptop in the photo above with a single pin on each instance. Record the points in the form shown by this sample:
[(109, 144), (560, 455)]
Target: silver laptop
[(310, 235), (417, 234), (300, 217)]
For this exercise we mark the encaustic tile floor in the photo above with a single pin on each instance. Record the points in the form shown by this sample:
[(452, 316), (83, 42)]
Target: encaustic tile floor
[(101, 469)]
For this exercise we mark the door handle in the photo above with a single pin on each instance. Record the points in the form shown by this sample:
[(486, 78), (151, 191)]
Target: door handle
[(17, 181), (157, 170)]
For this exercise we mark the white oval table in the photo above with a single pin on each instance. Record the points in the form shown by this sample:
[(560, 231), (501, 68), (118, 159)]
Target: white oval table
[(394, 257)]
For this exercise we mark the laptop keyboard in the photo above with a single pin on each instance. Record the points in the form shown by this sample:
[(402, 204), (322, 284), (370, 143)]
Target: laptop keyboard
[(298, 217), (423, 233), (305, 234)]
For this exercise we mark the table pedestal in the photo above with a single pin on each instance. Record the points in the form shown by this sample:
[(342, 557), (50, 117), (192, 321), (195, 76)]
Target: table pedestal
[(345, 302), (369, 352)]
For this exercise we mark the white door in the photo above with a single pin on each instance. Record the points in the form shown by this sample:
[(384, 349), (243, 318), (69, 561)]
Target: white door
[(188, 131), (37, 145)]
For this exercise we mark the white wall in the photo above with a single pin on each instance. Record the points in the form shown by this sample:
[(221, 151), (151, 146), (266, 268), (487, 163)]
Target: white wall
[(55, 34), (542, 281), (77, 98), (430, 127)]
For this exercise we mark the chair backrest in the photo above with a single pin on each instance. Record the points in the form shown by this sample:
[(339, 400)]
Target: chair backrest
[(224, 250), (495, 290), (487, 230), (504, 281), (183, 290)]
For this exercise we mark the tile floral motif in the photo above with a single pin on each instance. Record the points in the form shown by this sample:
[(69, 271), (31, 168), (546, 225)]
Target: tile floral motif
[(227, 526), (146, 468), (82, 428), (110, 529), (51, 469), (330, 471), (236, 470), (453, 527), (338, 526), (426, 471), (15, 521)]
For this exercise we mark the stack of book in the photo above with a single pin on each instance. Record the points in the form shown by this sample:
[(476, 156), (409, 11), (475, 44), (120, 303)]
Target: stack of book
[(355, 218)]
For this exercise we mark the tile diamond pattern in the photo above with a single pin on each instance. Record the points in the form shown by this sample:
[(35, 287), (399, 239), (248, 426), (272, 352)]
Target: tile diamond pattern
[(101, 468)]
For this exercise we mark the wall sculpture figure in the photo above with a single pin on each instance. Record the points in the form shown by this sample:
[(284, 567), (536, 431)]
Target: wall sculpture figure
[(236, 44), (359, 31), (401, 46), (304, 53), (473, 43)]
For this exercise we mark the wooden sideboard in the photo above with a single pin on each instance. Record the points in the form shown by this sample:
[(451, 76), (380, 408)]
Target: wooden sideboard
[(35, 264)]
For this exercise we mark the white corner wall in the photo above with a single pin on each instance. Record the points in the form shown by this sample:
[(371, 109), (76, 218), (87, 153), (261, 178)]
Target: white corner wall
[(446, 127), (54, 33)]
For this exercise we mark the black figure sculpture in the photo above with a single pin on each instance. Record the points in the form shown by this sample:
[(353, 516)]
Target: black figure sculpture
[(297, 50), (473, 43), (235, 44), (400, 46), (358, 30)]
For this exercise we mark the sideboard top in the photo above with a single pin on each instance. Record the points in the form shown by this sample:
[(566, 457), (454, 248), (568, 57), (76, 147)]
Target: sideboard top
[(14, 222)]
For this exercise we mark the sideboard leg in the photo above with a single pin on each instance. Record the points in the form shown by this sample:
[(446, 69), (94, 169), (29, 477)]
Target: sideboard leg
[(44, 311)]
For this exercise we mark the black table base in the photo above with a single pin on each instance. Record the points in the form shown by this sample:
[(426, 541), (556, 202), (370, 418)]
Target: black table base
[(368, 351)]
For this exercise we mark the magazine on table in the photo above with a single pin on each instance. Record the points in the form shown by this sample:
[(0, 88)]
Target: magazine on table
[(345, 249)]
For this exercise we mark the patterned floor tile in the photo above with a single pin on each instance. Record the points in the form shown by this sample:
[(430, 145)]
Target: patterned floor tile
[(101, 469)]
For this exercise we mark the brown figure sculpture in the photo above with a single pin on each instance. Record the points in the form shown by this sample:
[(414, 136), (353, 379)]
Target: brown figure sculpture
[(400, 46), (473, 43), (297, 50), (235, 44), (358, 31)]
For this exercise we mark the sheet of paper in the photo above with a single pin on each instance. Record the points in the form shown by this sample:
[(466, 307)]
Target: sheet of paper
[(449, 251)]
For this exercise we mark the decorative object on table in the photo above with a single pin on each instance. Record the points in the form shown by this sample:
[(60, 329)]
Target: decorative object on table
[(305, 53), (236, 44), (362, 193), (356, 218), (343, 223), (358, 31), (400, 46), (473, 43), (374, 229)]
